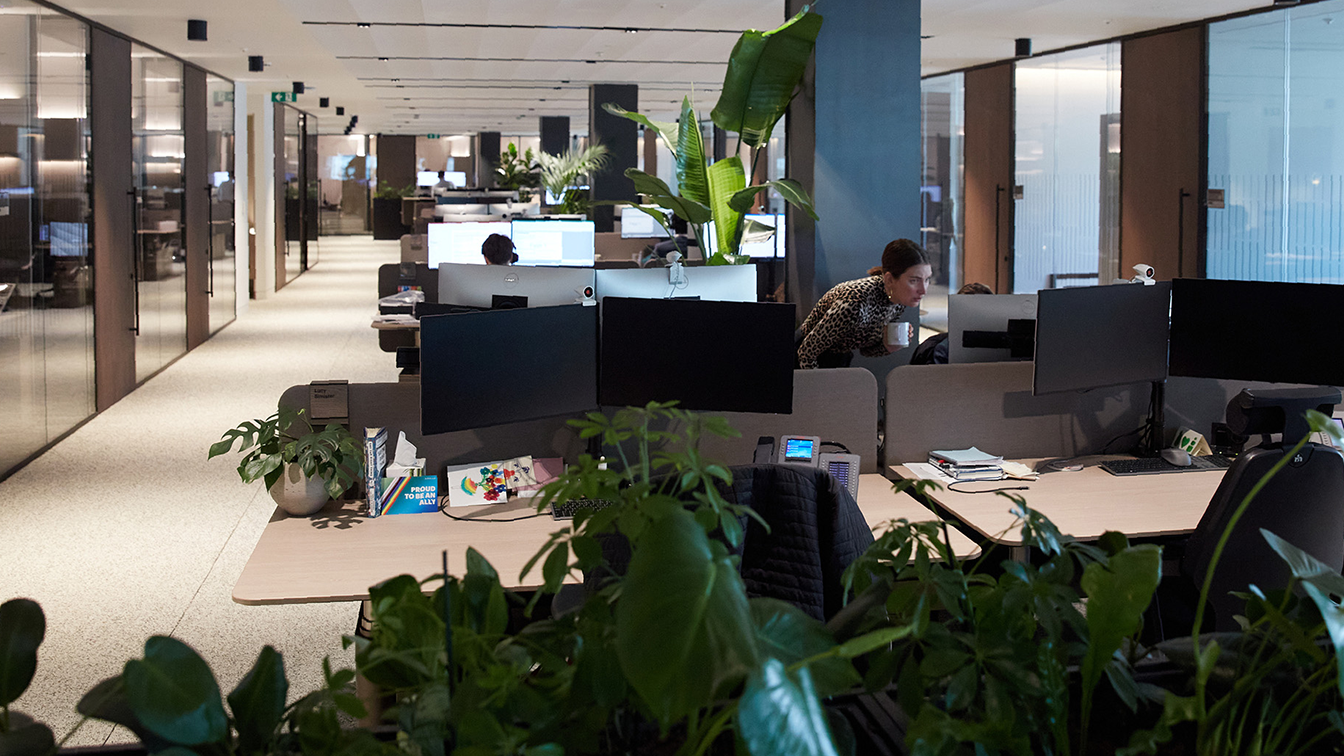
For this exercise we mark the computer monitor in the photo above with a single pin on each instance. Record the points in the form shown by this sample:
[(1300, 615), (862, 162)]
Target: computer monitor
[(461, 242), (68, 239), (426, 178), (771, 247), (551, 355), (1097, 336), (555, 242), (478, 285), (721, 283), (457, 178), (1257, 331), (717, 356), (990, 327), (636, 224)]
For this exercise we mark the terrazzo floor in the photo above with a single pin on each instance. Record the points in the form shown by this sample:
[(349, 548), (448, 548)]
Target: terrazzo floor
[(124, 529)]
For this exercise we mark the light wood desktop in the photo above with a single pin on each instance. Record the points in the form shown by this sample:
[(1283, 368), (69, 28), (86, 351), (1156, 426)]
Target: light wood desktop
[(1086, 503), (338, 553)]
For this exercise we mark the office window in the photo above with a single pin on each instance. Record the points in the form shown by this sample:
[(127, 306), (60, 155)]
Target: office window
[(942, 127), (46, 275), (1276, 129), (1067, 154)]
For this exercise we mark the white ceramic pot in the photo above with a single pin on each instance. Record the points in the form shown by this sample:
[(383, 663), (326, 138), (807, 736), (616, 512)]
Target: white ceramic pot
[(297, 494)]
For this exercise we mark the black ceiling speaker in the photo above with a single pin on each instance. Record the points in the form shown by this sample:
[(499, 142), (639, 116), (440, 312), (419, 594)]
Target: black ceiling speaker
[(1023, 47), (255, 63), (323, 102), (340, 110), (196, 29), (298, 87)]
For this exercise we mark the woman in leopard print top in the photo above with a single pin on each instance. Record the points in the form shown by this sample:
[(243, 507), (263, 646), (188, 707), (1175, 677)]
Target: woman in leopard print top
[(852, 315)]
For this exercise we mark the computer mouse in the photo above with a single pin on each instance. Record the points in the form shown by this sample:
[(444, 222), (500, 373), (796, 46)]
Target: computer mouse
[(1177, 457)]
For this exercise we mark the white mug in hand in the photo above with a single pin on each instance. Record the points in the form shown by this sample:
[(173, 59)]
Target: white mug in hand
[(897, 335)]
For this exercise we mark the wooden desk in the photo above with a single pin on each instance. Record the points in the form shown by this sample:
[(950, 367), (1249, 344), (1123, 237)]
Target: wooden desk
[(1087, 503), (338, 553)]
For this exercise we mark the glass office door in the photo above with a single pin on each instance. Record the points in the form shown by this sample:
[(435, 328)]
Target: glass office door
[(159, 264), (223, 269)]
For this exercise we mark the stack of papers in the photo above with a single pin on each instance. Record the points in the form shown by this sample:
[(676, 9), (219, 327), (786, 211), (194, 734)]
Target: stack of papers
[(968, 464)]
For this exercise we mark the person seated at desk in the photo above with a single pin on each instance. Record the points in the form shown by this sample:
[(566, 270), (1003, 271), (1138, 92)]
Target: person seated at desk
[(442, 188), (933, 350), (680, 242), (854, 314), (498, 250)]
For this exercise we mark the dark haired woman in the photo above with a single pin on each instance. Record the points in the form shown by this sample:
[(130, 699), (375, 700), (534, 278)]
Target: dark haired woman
[(498, 250), (854, 314)]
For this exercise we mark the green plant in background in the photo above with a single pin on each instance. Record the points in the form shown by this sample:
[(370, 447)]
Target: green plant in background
[(267, 445), (387, 191), (519, 171), (559, 173), (764, 71)]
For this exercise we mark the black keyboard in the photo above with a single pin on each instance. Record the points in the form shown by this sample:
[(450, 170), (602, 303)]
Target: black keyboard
[(1156, 465), (567, 509)]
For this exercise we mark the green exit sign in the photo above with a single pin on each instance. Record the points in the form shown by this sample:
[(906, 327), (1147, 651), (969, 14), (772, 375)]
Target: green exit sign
[(284, 97), (432, 136)]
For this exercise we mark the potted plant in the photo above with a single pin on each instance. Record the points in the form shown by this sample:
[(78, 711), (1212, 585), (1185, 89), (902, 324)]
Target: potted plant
[(301, 468), (764, 70), (387, 211), (519, 171), (560, 172)]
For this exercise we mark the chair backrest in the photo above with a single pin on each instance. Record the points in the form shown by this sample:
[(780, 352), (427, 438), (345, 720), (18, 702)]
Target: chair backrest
[(1303, 504)]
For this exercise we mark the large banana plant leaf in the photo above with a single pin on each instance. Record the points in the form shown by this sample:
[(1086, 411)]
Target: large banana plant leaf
[(692, 178), (763, 72), (792, 192), (660, 194), (726, 178), (665, 131)]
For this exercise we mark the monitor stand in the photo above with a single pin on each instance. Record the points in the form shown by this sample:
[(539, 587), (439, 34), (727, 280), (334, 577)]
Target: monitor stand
[(1150, 439)]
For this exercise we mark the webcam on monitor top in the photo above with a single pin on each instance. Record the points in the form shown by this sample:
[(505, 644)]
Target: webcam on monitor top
[(586, 296)]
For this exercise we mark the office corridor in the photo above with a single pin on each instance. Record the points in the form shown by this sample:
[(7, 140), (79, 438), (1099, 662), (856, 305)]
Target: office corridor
[(124, 529)]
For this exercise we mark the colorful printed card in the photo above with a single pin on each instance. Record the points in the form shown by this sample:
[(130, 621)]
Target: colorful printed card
[(544, 470), (485, 483), (409, 495), (523, 473)]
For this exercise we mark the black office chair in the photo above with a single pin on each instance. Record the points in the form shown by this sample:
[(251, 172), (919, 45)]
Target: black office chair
[(1303, 503)]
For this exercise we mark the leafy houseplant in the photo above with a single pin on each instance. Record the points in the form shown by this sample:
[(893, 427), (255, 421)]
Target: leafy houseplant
[(387, 191), (764, 70), (560, 172), (268, 446), (519, 171)]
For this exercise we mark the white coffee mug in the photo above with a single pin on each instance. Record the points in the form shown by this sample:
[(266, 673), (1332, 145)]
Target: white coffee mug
[(898, 335)]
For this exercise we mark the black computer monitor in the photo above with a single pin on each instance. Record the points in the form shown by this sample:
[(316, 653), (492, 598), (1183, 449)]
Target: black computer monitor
[(479, 369), (1092, 337), (719, 356), (1257, 331)]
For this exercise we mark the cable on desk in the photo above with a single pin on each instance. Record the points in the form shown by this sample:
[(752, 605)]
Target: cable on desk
[(443, 509), (953, 487)]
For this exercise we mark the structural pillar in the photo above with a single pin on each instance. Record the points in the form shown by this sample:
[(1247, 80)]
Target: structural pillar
[(621, 138), (554, 134), (487, 157)]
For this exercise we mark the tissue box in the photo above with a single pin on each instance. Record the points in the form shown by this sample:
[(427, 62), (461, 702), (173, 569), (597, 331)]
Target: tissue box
[(395, 470), (409, 495)]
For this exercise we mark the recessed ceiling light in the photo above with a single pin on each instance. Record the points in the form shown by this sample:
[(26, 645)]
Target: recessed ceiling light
[(383, 59), (363, 25)]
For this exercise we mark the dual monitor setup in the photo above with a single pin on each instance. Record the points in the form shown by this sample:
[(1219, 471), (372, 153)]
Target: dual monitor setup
[(637, 224), (479, 369), (430, 178), (568, 243), (498, 286)]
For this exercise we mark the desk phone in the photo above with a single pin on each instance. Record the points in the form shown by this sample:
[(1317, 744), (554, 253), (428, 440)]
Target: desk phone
[(806, 450)]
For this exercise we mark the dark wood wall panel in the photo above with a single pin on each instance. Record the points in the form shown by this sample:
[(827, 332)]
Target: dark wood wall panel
[(989, 177), (114, 279), (1162, 120), (196, 206)]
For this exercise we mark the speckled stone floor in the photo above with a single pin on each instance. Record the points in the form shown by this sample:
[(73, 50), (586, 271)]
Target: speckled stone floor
[(124, 530)]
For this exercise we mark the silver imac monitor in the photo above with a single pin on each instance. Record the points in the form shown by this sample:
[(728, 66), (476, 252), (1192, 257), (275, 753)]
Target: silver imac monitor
[(636, 224), (555, 242), (990, 327), (515, 285), (461, 242), (752, 248), (721, 283)]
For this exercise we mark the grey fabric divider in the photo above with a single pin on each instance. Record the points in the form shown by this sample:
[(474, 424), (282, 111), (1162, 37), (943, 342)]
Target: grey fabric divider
[(396, 406), (989, 405), (836, 405)]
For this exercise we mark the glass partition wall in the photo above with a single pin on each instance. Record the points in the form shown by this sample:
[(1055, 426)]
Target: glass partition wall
[(1276, 115), (46, 315), (303, 190), (157, 152), (223, 267), (1067, 154), (942, 127)]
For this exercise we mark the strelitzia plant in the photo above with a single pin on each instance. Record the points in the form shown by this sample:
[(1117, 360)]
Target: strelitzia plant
[(764, 71)]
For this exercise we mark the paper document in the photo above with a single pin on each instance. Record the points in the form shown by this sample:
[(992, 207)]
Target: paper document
[(926, 471)]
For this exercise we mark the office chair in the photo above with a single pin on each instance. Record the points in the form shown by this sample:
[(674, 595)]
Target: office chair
[(1303, 503)]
